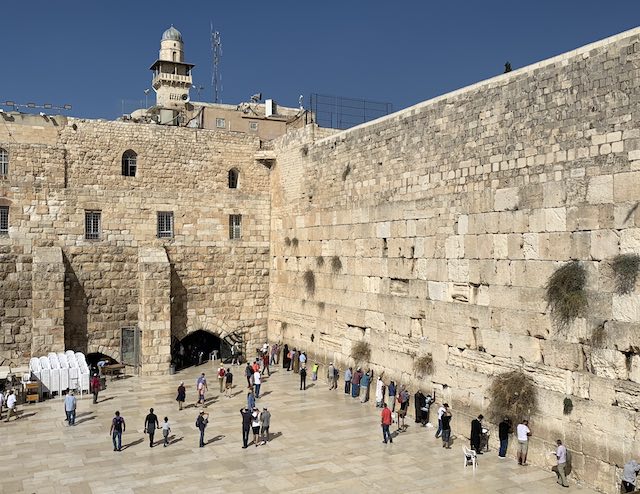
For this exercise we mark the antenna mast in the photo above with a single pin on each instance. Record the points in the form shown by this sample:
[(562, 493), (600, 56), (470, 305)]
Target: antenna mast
[(216, 55)]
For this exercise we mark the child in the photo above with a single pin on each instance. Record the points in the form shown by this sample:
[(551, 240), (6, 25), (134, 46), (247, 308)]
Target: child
[(166, 429), (314, 371)]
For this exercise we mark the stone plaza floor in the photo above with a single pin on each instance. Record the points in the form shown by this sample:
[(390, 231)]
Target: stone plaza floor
[(324, 442)]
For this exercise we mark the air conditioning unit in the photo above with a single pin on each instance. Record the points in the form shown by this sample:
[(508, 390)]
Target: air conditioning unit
[(270, 108)]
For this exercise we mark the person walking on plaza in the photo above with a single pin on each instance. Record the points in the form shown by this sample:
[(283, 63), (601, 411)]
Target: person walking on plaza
[(246, 426), (255, 426), (257, 382), (70, 403), (476, 434), (303, 359), (251, 400), (386, 423), (265, 422), (235, 354), (265, 365), (523, 432), (504, 429), (314, 371), (201, 385), (221, 380), (248, 372), (201, 424), (166, 430), (629, 474), (95, 387), (182, 394), (441, 411), (559, 469), (11, 405), (303, 378), (150, 425), (446, 427), (348, 374), (228, 382), (118, 427)]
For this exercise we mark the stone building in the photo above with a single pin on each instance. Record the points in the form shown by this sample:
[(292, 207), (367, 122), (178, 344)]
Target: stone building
[(431, 232)]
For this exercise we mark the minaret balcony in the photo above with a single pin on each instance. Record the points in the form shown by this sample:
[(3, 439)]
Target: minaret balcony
[(162, 77)]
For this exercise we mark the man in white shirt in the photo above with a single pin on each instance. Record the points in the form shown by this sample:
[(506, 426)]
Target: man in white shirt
[(523, 432), (441, 411), (70, 408), (257, 381), (561, 455), (11, 405)]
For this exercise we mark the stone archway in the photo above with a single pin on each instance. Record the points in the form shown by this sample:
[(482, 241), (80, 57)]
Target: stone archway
[(196, 347)]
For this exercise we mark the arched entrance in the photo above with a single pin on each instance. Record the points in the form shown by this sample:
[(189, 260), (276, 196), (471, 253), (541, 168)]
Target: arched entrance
[(195, 348), (95, 357)]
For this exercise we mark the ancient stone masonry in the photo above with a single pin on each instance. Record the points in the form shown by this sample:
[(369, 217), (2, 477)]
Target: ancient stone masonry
[(449, 218), (60, 169)]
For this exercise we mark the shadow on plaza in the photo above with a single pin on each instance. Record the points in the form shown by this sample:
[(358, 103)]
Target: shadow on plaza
[(134, 443), (215, 439), (106, 399), (83, 420), (173, 439)]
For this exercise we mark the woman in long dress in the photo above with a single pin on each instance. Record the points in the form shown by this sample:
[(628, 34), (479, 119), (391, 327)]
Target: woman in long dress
[(285, 357)]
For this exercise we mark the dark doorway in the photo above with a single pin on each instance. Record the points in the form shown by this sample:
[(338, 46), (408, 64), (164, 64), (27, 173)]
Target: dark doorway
[(93, 359), (194, 349)]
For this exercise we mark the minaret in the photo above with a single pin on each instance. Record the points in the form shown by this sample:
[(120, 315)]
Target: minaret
[(171, 75)]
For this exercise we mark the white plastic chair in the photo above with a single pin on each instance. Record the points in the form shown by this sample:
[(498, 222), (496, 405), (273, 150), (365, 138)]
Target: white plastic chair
[(64, 372), (470, 457), (45, 374), (54, 385)]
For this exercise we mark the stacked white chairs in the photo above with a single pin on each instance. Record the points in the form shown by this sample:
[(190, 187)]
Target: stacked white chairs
[(55, 373), (83, 370), (34, 367), (45, 374), (65, 372)]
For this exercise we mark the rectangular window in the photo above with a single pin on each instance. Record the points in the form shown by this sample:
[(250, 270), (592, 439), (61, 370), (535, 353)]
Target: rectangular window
[(92, 225), (4, 219), (253, 126), (220, 123), (235, 226), (4, 163), (165, 224)]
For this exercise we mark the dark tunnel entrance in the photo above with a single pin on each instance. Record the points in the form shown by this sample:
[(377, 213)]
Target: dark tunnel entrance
[(195, 348)]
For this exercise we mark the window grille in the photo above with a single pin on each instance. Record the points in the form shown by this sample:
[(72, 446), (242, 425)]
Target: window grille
[(165, 224), (253, 126), (129, 163), (4, 219), (235, 226), (221, 123), (92, 225), (4, 162)]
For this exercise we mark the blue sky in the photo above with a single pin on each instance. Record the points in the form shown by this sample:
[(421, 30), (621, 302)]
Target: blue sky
[(94, 54)]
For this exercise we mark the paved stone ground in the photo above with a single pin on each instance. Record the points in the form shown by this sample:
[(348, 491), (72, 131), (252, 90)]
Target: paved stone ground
[(325, 442)]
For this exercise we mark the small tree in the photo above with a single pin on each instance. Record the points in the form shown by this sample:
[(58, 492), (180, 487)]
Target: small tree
[(512, 395)]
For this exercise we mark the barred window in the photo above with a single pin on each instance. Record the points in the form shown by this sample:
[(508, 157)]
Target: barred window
[(92, 225), (4, 219), (129, 163), (233, 178), (4, 162), (235, 226), (221, 123), (165, 224)]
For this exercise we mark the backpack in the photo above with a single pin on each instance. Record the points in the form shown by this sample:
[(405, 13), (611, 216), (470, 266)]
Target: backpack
[(336, 373)]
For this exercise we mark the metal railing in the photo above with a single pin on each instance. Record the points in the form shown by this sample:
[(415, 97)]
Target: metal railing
[(338, 112)]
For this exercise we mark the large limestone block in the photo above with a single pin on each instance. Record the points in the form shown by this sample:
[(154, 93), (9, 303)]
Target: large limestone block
[(600, 189), (606, 363), (626, 307), (630, 241), (604, 244), (525, 348), (626, 186), (563, 355), (506, 199)]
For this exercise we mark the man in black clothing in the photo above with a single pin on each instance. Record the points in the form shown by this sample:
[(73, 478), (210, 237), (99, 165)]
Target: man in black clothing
[(504, 428), (201, 424), (476, 434), (246, 426), (303, 378), (419, 402), (150, 425)]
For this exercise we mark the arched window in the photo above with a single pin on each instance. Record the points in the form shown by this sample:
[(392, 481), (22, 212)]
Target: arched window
[(234, 175), (129, 163), (4, 162)]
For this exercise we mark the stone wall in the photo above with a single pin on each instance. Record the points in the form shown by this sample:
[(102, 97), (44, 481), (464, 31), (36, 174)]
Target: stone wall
[(436, 229), (59, 168)]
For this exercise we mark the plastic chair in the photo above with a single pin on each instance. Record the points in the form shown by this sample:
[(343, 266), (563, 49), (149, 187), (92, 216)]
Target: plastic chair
[(470, 457)]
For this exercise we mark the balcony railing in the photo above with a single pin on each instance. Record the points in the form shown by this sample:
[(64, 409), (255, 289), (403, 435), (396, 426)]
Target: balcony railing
[(171, 78)]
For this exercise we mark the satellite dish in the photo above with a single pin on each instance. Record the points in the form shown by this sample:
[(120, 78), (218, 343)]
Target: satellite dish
[(256, 97)]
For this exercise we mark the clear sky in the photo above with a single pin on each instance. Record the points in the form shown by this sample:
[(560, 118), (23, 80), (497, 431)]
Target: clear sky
[(93, 54)]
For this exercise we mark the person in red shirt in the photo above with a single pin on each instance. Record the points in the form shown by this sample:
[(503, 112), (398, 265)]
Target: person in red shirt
[(386, 423), (95, 387)]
